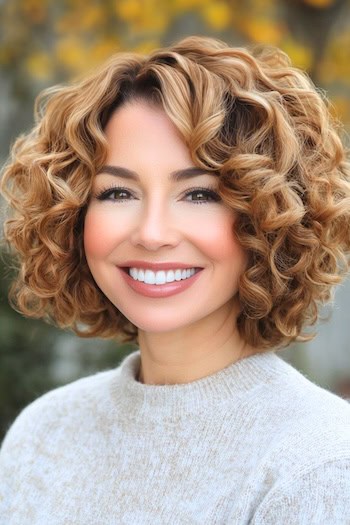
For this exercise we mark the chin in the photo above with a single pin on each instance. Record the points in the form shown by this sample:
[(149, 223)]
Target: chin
[(158, 325)]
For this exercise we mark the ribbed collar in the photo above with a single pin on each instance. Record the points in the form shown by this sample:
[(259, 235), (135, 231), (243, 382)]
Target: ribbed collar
[(135, 399)]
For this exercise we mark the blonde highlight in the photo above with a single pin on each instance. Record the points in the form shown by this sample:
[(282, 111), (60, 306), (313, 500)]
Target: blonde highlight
[(246, 114)]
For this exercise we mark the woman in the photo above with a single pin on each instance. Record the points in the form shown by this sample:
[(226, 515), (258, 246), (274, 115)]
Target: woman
[(196, 201)]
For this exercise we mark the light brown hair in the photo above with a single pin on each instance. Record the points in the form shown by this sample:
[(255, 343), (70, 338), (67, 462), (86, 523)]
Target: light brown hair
[(248, 115)]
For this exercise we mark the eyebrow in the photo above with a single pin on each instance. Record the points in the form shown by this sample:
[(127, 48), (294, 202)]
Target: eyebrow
[(176, 176)]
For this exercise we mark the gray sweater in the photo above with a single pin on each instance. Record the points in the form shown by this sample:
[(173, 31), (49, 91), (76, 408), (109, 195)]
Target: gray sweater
[(255, 443)]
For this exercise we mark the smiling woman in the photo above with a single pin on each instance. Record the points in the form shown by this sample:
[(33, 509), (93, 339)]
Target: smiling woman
[(197, 202), (163, 229)]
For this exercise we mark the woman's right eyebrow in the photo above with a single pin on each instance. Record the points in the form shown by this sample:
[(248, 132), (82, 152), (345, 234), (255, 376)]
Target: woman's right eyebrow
[(176, 176)]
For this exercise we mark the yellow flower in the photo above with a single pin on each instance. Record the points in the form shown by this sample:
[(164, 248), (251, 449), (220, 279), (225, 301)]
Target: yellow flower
[(39, 65), (144, 15), (103, 50), (217, 15), (72, 54), (186, 5), (147, 46), (262, 31), (91, 16), (300, 55), (128, 10), (335, 66)]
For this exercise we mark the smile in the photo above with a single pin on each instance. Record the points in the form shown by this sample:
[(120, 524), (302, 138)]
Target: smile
[(160, 277), (154, 284)]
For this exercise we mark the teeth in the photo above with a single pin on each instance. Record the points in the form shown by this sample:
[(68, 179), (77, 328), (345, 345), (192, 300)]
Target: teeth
[(160, 277), (177, 275)]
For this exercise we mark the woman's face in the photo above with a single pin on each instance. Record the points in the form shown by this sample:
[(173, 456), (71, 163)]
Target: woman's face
[(152, 210)]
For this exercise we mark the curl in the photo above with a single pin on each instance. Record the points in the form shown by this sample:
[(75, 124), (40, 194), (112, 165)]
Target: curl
[(245, 113)]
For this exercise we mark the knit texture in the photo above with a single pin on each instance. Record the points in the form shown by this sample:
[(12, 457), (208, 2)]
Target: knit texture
[(256, 443)]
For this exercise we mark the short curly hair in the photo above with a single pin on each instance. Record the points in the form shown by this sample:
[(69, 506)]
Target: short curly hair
[(244, 113)]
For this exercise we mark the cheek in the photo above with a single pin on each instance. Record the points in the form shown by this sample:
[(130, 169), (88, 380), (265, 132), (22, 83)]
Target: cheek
[(218, 239), (99, 234)]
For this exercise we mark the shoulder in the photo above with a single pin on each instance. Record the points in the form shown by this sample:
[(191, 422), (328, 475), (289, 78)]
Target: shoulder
[(302, 400), (44, 429), (306, 425), (308, 412), (306, 463), (68, 402)]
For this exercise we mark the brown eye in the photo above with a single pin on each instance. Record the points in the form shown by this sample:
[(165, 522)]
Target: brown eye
[(114, 194), (202, 195), (120, 194)]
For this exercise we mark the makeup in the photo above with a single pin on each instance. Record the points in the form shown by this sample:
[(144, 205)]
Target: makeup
[(159, 290)]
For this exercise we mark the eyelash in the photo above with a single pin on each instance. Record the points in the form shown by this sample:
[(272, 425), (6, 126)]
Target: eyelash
[(106, 193)]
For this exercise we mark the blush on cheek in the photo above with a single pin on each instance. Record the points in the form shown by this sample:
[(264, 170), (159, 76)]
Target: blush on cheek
[(219, 241), (97, 236)]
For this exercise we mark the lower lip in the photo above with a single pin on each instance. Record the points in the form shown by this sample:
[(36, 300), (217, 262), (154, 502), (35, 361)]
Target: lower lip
[(159, 290)]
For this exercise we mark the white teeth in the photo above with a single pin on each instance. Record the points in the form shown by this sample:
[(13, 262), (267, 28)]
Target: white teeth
[(150, 277), (170, 276), (160, 277), (177, 275)]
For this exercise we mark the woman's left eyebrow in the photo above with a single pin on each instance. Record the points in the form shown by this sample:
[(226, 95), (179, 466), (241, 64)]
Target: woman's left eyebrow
[(176, 175)]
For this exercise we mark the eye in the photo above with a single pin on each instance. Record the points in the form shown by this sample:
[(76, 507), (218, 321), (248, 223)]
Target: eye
[(116, 193), (202, 195)]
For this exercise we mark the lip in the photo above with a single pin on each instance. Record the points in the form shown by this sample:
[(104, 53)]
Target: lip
[(159, 290), (157, 266)]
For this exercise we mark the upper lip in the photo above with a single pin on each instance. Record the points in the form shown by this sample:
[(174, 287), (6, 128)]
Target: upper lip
[(157, 266)]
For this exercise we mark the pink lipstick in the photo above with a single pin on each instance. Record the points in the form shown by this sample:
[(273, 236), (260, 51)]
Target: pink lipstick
[(159, 290)]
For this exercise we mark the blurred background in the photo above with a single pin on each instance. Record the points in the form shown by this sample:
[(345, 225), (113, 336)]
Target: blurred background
[(45, 42)]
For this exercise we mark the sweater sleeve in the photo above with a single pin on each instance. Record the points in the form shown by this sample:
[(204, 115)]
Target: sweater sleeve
[(320, 496)]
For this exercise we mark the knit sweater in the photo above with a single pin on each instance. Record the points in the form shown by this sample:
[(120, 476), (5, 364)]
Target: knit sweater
[(255, 443)]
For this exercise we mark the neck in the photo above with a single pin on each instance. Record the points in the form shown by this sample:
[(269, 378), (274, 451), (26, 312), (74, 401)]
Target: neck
[(192, 352)]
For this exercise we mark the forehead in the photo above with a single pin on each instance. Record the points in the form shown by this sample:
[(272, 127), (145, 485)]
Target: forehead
[(139, 117), (141, 136)]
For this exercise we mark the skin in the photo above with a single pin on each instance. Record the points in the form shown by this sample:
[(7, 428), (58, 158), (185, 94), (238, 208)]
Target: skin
[(192, 334)]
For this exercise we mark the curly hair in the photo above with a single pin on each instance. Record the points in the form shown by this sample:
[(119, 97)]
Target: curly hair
[(244, 113)]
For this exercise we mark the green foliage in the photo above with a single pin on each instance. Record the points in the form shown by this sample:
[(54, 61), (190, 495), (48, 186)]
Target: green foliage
[(25, 357), (30, 356)]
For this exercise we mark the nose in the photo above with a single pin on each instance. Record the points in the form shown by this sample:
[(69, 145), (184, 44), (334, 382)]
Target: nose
[(155, 228)]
